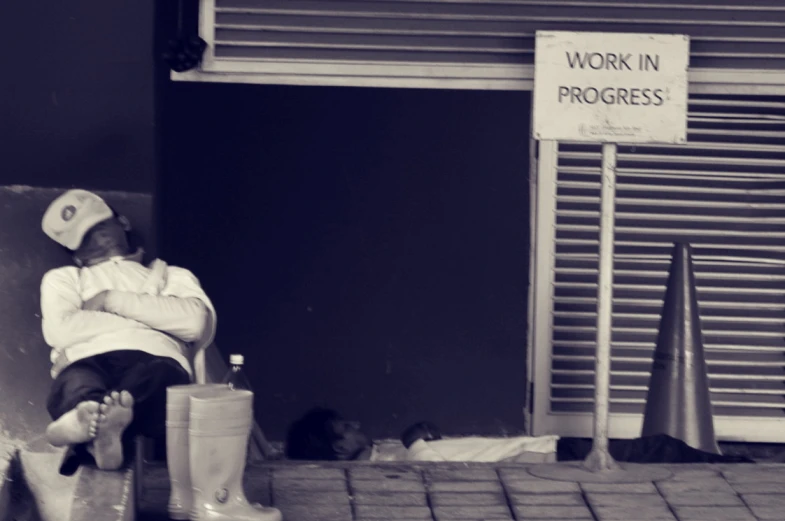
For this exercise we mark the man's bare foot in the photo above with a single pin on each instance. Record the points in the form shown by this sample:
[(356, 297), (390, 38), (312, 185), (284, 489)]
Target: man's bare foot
[(79, 425), (117, 411)]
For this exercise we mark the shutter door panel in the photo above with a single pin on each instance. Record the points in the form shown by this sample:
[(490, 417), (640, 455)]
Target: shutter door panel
[(496, 34), (722, 193)]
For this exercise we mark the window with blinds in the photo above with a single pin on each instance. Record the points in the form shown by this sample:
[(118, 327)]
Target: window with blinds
[(478, 44), (724, 193)]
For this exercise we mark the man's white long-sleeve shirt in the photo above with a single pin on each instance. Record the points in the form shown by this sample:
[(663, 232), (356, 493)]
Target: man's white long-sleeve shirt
[(173, 320)]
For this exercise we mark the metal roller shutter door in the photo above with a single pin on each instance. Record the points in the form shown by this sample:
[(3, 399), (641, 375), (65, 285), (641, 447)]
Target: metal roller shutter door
[(723, 192), (463, 43)]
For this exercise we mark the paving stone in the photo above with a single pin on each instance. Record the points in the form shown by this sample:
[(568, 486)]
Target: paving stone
[(555, 519), (704, 499), (467, 474), (318, 485), (466, 486), (391, 512), (541, 487), (631, 501), (517, 474), (527, 512), (765, 500), (385, 473), (690, 473), (387, 485), (762, 488), (471, 512), (508, 518), (317, 512), (765, 513), (704, 513), (468, 498), (573, 500), (706, 485), (309, 497), (764, 474), (620, 488), (308, 472), (412, 499), (257, 487), (740, 467), (642, 513), (689, 467)]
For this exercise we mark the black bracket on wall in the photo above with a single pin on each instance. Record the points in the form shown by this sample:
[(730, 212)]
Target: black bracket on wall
[(186, 49)]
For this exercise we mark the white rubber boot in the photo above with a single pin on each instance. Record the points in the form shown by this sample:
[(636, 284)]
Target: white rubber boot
[(177, 460), (219, 426)]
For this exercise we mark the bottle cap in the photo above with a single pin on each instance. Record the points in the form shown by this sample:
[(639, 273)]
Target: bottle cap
[(236, 359)]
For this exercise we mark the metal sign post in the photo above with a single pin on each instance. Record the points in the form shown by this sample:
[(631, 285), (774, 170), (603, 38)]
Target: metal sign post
[(599, 458), (608, 88)]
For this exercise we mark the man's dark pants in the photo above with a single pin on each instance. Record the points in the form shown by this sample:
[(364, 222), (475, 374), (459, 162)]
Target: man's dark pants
[(143, 375)]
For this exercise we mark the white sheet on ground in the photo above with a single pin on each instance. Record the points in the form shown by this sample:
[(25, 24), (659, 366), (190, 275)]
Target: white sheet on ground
[(523, 449)]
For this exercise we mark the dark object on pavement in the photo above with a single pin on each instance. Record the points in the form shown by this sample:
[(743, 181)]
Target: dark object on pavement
[(323, 434), (660, 448)]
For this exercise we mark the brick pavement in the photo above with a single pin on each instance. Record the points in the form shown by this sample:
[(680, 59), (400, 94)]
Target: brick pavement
[(462, 492)]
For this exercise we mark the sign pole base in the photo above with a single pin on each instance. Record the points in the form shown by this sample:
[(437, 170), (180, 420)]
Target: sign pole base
[(599, 460), (622, 473)]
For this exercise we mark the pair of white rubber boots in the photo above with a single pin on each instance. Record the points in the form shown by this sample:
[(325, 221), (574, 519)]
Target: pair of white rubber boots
[(207, 430)]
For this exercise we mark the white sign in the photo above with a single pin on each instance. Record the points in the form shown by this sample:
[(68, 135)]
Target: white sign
[(611, 87)]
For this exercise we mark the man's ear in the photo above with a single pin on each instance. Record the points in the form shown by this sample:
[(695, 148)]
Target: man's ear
[(124, 222)]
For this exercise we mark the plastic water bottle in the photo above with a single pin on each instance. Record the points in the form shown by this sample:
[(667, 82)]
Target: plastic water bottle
[(235, 378)]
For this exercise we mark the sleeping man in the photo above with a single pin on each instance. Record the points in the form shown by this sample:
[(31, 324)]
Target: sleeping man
[(120, 333), (323, 434)]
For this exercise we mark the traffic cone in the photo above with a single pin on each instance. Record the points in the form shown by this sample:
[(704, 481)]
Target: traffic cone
[(679, 402)]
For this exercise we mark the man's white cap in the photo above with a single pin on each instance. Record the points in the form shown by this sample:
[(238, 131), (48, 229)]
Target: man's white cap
[(70, 217)]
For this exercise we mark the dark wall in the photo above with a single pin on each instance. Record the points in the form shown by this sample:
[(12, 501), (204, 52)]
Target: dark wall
[(365, 248), (76, 94)]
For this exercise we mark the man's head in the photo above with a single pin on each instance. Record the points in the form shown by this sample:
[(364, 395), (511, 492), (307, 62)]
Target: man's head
[(84, 224), (322, 434)]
